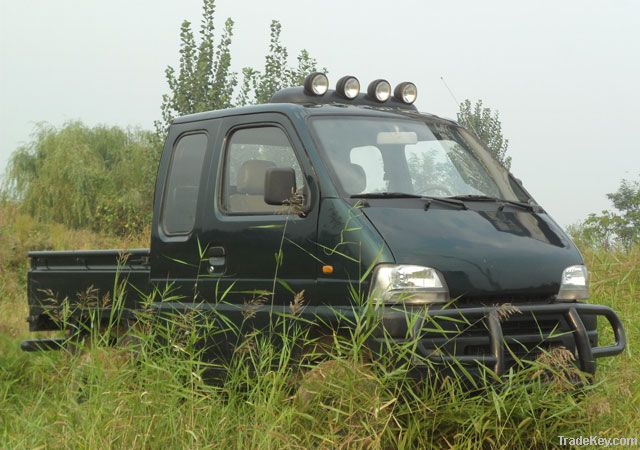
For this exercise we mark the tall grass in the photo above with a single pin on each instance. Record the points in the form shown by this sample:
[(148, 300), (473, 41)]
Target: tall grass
[(615, 282), (155, 393), (157, 390)]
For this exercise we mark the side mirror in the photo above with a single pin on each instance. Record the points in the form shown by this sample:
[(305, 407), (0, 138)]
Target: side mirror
[(279, 185)]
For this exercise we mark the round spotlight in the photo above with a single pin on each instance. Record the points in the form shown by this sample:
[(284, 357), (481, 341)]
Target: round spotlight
[(379, 90), (348, 87), (316, 83), (406, 92)]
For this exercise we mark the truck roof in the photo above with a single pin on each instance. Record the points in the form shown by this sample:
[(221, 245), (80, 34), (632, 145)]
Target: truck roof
[(307, 109)]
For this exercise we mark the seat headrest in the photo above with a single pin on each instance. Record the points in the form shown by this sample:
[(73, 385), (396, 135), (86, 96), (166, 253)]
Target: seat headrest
[(251, 176), (353, 177)]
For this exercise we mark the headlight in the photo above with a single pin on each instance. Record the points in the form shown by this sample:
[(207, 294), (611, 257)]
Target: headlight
[(379, 90), (404, 284), (574, 284), (316, 83)]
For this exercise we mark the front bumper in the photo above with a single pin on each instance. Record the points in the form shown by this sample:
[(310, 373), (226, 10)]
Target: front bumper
[(499, 336), (496, 337)]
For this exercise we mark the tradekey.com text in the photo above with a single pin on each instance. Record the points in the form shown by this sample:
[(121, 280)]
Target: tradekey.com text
[(598, 441)]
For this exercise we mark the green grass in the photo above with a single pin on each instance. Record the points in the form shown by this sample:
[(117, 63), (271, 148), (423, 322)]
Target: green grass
[(144, 395)]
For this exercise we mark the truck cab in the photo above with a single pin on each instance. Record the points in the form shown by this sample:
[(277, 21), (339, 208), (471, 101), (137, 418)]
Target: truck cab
[(354, 199)]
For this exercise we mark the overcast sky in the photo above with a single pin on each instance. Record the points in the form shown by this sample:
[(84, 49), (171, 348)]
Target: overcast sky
[(565, 76)]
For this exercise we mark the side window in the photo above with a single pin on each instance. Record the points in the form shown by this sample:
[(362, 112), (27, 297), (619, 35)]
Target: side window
[(181, 192), (250, 153)]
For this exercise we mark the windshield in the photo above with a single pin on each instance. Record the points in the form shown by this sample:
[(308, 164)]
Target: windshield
[(378, 155)]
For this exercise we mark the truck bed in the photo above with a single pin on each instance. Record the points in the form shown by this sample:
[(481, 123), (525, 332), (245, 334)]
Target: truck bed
[(64, 284)]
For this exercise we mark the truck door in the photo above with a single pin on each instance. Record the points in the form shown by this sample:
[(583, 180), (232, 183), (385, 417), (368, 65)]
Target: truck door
[(252, 247), (180, 188)]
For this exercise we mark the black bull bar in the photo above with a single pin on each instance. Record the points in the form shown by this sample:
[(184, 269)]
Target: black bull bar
[(494, 318), (496, 333)]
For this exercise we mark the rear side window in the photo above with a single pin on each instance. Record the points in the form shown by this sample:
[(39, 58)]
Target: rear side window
[(183, 183)]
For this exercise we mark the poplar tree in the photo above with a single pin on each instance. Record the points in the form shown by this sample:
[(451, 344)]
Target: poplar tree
[(486, 125), (204, 79)]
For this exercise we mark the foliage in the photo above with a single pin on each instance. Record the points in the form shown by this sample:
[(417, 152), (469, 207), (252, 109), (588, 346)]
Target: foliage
[(619, 228), (486, 125), (276, 74), (103, 178), (100, 177), (204, 79)]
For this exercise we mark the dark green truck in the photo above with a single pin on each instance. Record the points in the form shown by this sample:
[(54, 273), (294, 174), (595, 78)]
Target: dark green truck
[(363, 200)]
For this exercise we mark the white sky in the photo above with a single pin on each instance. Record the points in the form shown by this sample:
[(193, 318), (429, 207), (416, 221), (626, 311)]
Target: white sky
[(565, 76)]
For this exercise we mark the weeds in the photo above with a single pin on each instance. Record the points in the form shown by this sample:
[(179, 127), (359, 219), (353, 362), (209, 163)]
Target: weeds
[(160, 388), (155, 393)]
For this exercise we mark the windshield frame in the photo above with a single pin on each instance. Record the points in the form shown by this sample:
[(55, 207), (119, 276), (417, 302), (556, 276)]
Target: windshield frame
[(508, 186)]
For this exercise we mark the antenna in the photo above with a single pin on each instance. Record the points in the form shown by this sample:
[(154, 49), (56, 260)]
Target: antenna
[(458, 105), (450, 91)]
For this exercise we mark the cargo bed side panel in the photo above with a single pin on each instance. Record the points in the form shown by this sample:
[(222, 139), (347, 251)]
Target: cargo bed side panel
[(64, 284)]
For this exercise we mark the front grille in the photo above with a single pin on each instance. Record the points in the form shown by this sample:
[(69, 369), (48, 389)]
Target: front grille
[(497, 300), (516, 325), (519, 326), (525, 337), (523, 351)]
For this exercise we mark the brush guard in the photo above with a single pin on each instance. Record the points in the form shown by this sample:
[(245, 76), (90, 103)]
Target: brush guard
[(496, 358)]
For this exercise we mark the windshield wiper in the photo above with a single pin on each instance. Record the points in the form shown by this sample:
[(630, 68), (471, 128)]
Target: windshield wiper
[(502, 202), (385, 195), (442, 200)]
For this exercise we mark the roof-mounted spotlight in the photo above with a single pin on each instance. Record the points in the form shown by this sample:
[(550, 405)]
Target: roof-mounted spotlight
[(406, 92), (316, 83), (348, 87), (379, 90)]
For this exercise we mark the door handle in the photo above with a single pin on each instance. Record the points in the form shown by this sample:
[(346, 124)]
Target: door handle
[(216, 258)]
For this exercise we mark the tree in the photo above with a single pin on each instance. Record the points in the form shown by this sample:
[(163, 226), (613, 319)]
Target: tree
[(103, 177), (86, 177), (485, 124), (276, 73), (204, 79), (619, 228)]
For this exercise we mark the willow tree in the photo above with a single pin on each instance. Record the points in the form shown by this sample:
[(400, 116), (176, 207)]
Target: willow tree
[(85, 177)]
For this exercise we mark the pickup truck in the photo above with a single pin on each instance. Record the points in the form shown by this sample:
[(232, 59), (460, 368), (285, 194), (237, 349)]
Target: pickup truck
[(364, 201)]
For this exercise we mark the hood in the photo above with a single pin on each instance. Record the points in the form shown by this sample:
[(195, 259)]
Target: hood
[(491, 255)]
